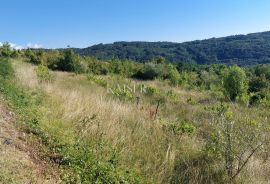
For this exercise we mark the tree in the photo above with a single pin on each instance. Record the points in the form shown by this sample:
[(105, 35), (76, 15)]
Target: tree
[(257, 84), (69, 62), (150, 71), (235, 83), (173, 74), (161, 60), (6, 50)]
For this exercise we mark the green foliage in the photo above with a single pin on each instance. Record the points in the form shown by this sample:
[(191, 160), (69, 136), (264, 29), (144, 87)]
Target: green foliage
[(24, 104), (209, 80), (68, 62), (87, 164), (6, 70), (189, 79), (99, 80), (151, 90), (181, 127), (263, 70), (160, 60), (260, 98), (150, 71), (123, 94), (98, 67), (235, 83), (173, 74), (257, 84), (5, 50), (43, 73), (124, 68)]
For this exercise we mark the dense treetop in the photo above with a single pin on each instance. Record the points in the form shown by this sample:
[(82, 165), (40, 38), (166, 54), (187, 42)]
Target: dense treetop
[(243, 50)]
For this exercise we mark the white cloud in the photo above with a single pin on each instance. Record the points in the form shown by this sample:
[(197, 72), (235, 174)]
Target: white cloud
[(19, 47), (34, 45), (15, 46)]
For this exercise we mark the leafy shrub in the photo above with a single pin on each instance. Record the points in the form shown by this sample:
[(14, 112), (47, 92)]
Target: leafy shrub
[(123, 94), (150, 71), (88, 167), (151, 90), (260, 98), (98, 67), (263, 70), (43, 73), (99, 80), (173, 74), (257, 84), (235, 82), (124, 68), (181, 127), (5, 50), (69, 62)]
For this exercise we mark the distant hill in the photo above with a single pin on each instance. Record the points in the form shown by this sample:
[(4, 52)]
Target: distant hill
[(243, 50)]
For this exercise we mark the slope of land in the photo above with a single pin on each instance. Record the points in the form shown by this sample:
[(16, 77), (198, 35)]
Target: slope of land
[(20, 161), (243, 50), (96, 132)]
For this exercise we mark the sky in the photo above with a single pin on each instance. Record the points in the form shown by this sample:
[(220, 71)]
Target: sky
[(82, 23)]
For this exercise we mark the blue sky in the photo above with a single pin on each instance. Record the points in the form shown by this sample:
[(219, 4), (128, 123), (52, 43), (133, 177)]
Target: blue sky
[(81, 23)]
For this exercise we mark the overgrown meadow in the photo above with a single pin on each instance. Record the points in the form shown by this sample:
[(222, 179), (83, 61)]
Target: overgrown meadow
[(154, 122)]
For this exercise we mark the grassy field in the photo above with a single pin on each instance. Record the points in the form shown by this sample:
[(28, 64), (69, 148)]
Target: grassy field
[(97, 133)]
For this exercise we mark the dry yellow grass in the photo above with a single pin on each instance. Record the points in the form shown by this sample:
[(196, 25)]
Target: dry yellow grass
[(142, 142)]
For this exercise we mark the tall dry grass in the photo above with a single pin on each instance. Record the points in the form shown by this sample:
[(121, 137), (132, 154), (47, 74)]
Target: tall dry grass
[(77, 108)]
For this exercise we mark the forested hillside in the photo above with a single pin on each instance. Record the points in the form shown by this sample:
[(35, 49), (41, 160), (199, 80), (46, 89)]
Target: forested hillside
[(243, 50)]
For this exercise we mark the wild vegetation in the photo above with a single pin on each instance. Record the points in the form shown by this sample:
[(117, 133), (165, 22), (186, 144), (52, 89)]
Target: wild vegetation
[(119, 121)]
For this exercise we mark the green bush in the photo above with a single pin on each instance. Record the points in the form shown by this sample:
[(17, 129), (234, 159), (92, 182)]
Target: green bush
[(43, 73), (5, 50), (235, 83), (70, 62), (260, 98), (173, 74), (150, 71), (257, 84), (99, 80), (6, 70), (97, 67), (123, 94), (180, 127), (151, 90)]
